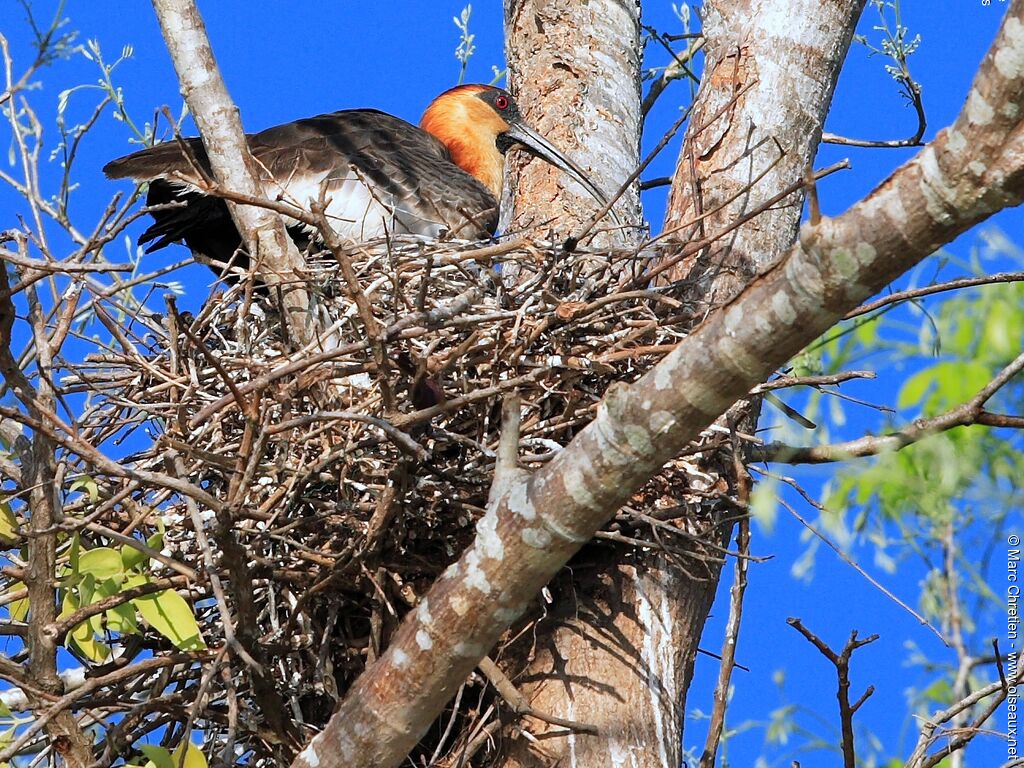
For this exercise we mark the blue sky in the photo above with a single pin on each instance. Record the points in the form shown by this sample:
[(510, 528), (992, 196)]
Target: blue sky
[(282, 61)]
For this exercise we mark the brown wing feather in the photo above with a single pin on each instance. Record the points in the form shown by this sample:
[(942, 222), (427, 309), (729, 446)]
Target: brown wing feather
[(160, 161), (400, 162)]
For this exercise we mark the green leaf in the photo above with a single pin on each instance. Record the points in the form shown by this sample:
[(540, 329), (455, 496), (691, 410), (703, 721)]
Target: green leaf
[(89, 485), (74, 552), (764, 503), (158, 756), (913, 390), (161, 758), (9, 528), (131, 557), (122, 619), (169, 614), (82, 636), (17, 608), (1001, 338), (194, 757), (954, 382), (103, 563), (5, 711), (107, 621)]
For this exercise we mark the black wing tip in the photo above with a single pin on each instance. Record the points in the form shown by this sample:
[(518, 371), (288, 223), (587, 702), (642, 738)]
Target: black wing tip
[(115, 169), (146, 164), (127, 167)]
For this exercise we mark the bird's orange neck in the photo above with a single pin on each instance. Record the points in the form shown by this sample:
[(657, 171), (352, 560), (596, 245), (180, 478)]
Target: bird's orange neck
[(467, 127)]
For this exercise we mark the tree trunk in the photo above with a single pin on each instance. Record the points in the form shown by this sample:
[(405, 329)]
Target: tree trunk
[(771, 67), (616, 649), (610, 653), (574, 69)]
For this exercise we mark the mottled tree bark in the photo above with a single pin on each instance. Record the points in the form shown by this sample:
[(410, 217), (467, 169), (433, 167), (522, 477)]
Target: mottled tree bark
[(771, 67), (574, 69), (771, 71), (234, 168)]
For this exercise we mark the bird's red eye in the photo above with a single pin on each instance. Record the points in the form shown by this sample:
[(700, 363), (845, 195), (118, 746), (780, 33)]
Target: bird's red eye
[(501, 102)]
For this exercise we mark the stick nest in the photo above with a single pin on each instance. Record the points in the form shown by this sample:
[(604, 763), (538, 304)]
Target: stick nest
[(351, 472)]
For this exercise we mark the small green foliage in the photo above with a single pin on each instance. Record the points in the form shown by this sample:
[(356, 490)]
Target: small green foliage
[(159, 757), (106, 86), (102, 563), (103, 572), (133, 558), (169, 614), (764, 503), (466, 48), (187, 755), (10, 530), (87, 484), (943, 386), (895, 45), (17, 608)]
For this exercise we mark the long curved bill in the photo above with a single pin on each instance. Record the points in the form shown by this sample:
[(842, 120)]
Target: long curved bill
[(538, 146)]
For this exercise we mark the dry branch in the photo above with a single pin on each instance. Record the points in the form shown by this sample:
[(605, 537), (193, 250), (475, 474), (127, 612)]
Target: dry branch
[(841, 661), (220, 127), (970, 413)]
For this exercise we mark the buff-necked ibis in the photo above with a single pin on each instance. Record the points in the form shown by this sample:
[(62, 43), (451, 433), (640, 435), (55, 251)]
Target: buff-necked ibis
[(383, 175)]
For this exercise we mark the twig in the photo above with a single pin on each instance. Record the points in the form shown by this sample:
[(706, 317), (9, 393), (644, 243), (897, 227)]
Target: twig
[(732, 627), (61, 705), (520, 706), (374, 332), (674, 70), (841, 661), (920, 758), (243, 405), (784, 382), (573, 240), (849, 560), (916, 293), (175, 465), (696, 246), (910, 88), (970, 413), (396, 435)]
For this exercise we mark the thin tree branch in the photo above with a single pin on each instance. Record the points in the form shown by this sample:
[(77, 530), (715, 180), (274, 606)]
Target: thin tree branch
[(970, 413), (920, 758), (233, 166), (44, 503), (849, 560), (676, 70), (732, 628), (841, 661), (520, 706), (786, 381), (929, 290)]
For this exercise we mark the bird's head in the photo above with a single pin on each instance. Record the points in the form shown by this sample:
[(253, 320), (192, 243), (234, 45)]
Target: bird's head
[(479, 123)]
